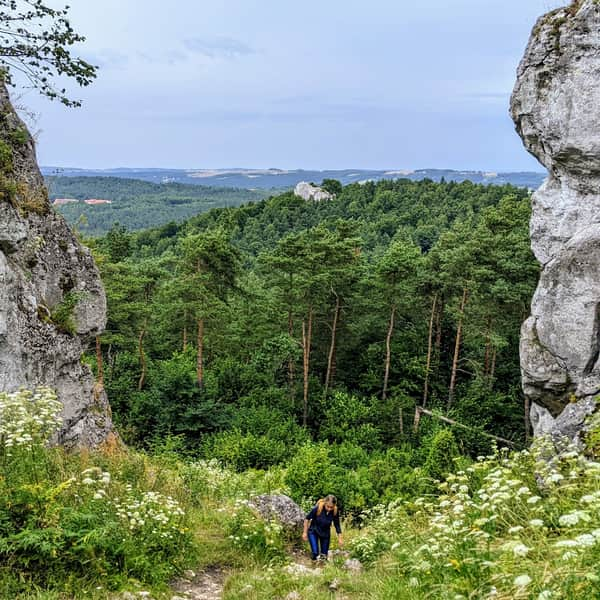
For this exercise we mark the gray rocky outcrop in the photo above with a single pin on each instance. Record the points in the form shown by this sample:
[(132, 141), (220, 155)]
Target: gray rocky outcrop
[(52, 302), (278, 507), (556, 109), (308, 191)]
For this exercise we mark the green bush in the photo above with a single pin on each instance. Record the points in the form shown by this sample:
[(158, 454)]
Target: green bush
[(63, 314), (309, 473), (353, 488), (393, 475), (263, 419), (61, 521), (442, 451), (348, 418), (248, 532), (242, 451), (209, 480)]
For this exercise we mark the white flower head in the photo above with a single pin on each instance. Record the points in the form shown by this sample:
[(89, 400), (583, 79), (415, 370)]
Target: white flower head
[(520, 550), (536, 523), (522, 580)]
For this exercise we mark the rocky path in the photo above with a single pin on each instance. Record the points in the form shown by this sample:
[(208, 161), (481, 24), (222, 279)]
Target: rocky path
[(205, 585)]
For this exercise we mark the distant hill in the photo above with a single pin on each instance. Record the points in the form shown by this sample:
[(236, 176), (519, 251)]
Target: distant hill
[(136, 204), (285, 179)]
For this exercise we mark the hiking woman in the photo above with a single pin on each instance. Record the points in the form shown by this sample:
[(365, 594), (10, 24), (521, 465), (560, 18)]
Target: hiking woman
[(317, 527)]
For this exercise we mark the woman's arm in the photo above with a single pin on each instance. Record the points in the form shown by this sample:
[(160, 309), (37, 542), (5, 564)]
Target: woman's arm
[(338, 530), (307, 523)]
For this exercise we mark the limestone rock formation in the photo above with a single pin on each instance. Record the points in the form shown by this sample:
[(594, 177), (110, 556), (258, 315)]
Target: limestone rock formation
[(51, 299), (308, 191), (556, 109), (280, 508)]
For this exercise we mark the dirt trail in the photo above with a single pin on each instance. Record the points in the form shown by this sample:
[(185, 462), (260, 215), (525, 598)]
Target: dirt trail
[(205, 585)]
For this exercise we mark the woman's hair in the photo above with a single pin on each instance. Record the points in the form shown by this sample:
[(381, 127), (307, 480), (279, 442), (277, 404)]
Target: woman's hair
[(331, 499)]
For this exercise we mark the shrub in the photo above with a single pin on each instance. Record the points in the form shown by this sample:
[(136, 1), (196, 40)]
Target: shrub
[(209, 480), (245, 451), (442, 451), (309, 473), (348, 418), (63, 314), (58, 524), (249, 532)]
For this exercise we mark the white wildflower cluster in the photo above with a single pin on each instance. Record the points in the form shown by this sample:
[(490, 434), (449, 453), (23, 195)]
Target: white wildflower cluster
[(150, 513), (142, 513), (209, 474), (210, 479), (28, 418), (555, 469), (498, 516), (96, 481), (247, 529)]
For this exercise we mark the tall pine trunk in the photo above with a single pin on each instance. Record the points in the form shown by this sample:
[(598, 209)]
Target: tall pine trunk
[(439, 317), (291, 360), (493, 367), (142, 354), (488, 347), (330, 358), (388, 352), (429, 349), (461, 316), (200, 360), (306, 341)]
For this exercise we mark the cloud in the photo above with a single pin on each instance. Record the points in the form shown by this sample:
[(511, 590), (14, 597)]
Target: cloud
[(218, 47), (107, 59)]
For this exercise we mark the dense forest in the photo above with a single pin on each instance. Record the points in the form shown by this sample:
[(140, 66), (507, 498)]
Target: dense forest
[(250, 334), (138, 204)]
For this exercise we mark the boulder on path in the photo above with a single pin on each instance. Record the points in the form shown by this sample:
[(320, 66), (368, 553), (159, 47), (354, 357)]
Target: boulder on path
[(278, 507)]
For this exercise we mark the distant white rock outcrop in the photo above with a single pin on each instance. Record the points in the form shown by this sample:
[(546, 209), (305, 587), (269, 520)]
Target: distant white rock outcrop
[(308, 191)]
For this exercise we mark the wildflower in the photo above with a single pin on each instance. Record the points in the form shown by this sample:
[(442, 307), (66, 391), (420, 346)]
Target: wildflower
[(545, 595), (520, 550), (522, 580), (572, 518), (536, 523), (569, 554), (586, 539), (515, 529), (566, 544), (533, 500)]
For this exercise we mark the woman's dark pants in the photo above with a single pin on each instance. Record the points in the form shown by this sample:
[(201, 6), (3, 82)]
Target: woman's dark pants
[(316, 540)]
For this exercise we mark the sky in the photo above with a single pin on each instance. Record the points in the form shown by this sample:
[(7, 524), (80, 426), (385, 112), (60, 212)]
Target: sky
[(313, 84)]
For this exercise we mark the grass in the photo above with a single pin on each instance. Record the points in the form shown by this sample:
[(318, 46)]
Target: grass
[(491, 530)]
